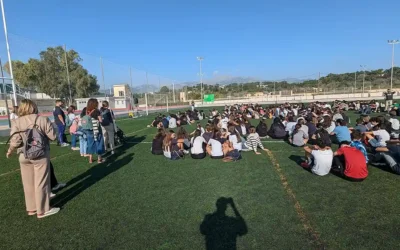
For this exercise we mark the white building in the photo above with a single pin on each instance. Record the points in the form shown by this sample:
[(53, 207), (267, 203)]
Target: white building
[(122, 103)]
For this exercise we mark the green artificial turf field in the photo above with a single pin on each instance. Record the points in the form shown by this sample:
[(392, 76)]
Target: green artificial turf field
[(139, 201)]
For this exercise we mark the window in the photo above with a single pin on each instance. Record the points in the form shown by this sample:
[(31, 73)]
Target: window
[(117, 102), (122, 102), (121, 93)]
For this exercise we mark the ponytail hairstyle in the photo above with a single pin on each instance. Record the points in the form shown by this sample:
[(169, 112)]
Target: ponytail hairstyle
[(197, 133)]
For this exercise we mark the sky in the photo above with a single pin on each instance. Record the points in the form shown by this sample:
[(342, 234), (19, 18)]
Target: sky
[(268, 40)]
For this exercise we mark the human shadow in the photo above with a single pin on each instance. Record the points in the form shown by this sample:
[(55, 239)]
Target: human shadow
[(90, 177), (221, 231), (297, 159)]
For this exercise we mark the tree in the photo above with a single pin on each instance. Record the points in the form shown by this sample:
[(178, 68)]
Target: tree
[(164, 89), (49, 74)]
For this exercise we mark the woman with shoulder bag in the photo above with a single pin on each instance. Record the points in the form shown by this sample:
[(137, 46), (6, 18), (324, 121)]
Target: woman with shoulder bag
[(35, 173)]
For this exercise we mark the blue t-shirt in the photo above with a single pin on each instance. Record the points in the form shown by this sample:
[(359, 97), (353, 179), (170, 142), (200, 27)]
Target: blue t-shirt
[(342, 133), (361, 128)]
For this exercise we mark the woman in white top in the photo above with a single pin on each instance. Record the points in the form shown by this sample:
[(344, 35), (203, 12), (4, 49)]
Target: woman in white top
[(214, 146), (198, 146), (234, 138), (14, 112)]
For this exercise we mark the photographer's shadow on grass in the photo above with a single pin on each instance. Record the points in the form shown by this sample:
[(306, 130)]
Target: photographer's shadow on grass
[(94, 174), (220, 230)]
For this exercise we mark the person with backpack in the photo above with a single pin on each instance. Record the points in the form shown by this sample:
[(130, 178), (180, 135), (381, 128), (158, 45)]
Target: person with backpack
[(90, 123), (30, 136), (60, 121), (262, 128), (107, 126), (72, 123)]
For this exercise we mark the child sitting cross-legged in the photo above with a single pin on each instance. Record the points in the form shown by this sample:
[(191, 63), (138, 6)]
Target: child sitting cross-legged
[(298, 138), (319, 158), (252, 142)]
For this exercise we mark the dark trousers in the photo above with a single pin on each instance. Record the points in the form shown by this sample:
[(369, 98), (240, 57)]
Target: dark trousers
[(53, 179), (199, 156), (60, 133), (339, 166)]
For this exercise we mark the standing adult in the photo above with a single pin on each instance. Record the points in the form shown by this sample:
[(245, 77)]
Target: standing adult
[(107, 126), (59, 119), (94, 136), (389, 98), (35, 174)]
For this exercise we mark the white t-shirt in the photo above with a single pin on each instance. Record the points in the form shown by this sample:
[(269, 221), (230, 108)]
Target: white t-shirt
[(216, 148), (13, 116), (331, 128), (382, 136), (290, 127), (244, 130), (234, 140), (71, 117), (172, 123), (224, 123), (395, 123), (197, 143), (295, 111), (322, 161)]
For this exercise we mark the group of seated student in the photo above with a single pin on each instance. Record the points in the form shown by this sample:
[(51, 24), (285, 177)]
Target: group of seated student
[(314, 124), (225, 135), (176, 120)]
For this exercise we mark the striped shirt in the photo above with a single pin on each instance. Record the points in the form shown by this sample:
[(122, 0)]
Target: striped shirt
[(95, 128), (253, 140)]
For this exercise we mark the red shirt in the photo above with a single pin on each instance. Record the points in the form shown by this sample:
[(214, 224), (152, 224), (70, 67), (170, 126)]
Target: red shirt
[(356, 167)]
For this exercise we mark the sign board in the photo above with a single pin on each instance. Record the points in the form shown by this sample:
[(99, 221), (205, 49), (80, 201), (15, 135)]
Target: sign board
[(209, 98)]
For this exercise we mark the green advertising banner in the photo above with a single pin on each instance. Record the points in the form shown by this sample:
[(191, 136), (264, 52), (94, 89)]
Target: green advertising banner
[(209, 98)]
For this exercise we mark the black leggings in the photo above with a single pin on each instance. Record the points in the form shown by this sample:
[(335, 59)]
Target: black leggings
[(217, 157), (199, 156), (53, 179)]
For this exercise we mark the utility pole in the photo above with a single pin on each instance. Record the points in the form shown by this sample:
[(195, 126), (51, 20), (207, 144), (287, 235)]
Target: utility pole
[(130, 74), (102, 74), (199, 58), (392, 42), (355, 80), (173, 90), (319, 76), (9, 54), (363, 68), (68, 80)]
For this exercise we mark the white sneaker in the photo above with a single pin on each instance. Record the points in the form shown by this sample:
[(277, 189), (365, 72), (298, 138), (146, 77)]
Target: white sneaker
[(52, 211), (185, 152), (75, 149), (64, 145), (58, 186), (112, 152), (52, 195)]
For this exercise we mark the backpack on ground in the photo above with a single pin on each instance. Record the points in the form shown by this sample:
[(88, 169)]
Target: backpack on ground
[(68, 121), (86, 121), (233, 155), (36, 142)]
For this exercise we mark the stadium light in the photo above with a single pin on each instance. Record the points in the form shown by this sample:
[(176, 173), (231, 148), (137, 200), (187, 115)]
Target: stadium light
[(392, 42), (200, 59)]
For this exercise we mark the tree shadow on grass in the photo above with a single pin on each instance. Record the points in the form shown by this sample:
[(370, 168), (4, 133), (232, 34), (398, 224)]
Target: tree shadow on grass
[(85, 180), (221, 231)]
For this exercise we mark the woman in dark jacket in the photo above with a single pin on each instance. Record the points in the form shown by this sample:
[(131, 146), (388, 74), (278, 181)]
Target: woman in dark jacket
[(262, 128), (277, 129)]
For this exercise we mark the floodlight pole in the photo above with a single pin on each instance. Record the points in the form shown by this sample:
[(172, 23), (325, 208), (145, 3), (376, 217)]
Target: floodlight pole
[(68, 79), (199, 58), (363, 68), (392, 42), (9, 54)]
